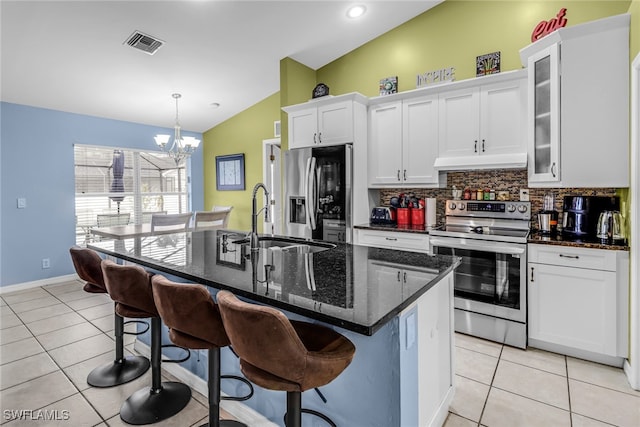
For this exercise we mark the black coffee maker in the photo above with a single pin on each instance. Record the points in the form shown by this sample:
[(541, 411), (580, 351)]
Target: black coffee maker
[(581, 213)]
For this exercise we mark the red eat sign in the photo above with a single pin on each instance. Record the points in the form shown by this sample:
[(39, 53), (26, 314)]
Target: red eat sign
[(546, 27)]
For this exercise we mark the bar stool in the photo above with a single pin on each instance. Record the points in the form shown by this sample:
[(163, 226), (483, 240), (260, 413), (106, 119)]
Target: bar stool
[(281, 354), (122, 369), (194, 322), (130, 287)]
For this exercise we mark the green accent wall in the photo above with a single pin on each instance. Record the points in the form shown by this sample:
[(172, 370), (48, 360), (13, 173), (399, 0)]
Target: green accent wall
[(242, 133), (451, 35), (296, 83)]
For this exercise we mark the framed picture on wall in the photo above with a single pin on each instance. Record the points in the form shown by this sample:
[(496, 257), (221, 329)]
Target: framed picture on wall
[(230, 172)]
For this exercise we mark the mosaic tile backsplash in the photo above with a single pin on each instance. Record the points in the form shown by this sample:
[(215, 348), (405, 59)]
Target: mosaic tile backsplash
[(511, 180)]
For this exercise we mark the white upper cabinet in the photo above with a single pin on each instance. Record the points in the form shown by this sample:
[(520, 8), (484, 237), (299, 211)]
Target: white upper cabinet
[(420, 140), (484, 126), (578, 114), (322, 122), (385, 143), (403, 142), (544, 117)]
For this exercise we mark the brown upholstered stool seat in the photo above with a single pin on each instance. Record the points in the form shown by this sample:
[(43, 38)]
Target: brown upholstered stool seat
[(279, 354), (130, 287), (123, 369), (194, 322)]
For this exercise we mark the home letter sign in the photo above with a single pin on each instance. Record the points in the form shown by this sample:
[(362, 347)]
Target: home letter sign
[(546, 27)]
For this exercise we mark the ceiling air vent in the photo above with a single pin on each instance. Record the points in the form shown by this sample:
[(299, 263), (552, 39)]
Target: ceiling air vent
[(144, 42)]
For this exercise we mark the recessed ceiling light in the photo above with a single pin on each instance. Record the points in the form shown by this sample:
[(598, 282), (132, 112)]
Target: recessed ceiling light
[(214, 105), (356, 11)]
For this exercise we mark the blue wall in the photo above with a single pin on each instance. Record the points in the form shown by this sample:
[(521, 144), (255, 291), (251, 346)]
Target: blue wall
[(36, 159)]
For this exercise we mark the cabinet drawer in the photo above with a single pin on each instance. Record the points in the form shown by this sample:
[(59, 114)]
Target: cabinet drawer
[(567, 256), (414, 242)]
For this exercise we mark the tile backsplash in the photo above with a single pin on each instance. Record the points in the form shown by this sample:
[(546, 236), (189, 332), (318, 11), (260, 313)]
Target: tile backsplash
[(511, 180)]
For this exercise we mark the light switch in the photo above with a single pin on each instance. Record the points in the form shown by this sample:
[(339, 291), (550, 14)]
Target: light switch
[(22, 203)]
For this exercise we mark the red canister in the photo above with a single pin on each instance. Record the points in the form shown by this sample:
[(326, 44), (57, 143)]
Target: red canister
[(417, 217), (403, 216)]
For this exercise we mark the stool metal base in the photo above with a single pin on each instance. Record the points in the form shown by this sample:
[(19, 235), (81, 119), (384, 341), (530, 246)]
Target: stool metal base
[(118, 372), (147, 407)]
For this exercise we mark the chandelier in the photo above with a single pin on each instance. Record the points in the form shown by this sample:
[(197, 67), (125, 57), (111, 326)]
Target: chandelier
[(182, 146)]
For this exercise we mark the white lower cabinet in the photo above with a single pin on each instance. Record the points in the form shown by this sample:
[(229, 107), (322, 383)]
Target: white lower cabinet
[(578, 301), (390, 282), (413, 242)]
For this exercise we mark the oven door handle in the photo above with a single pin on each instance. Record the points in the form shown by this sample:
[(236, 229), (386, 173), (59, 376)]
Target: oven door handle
[(478, 245)]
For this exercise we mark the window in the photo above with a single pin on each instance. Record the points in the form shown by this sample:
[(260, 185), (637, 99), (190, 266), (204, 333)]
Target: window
[(125, 186)]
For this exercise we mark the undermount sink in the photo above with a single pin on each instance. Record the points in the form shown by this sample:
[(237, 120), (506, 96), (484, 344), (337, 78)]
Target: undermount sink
[(289, 245)]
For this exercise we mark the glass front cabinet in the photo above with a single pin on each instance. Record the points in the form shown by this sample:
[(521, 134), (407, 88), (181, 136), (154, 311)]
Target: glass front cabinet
[(544, 117)]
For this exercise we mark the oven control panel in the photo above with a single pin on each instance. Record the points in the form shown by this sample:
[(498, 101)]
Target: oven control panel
[(490, 209)]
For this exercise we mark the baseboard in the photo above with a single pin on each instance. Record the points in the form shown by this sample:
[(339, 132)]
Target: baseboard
[(241, 412), (580, 354), (37, 283), (632, 375)]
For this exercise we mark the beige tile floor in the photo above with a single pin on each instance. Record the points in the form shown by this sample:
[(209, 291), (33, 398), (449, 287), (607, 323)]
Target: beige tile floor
[(502, 386), (51, 337)]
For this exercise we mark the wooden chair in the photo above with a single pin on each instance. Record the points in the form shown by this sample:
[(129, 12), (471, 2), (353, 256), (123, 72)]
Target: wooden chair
[(178, 222), (209, 219), (107, 220)]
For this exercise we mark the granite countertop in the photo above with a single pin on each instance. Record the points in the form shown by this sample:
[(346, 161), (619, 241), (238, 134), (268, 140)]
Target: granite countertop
[(346, 286), (402, 228), (534, 237), (560, 240)]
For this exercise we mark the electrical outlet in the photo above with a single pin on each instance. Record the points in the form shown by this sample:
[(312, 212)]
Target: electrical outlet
[(46, 263), (22, 203)]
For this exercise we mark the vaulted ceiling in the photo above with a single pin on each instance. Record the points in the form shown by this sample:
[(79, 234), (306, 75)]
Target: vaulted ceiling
[(72, 56)]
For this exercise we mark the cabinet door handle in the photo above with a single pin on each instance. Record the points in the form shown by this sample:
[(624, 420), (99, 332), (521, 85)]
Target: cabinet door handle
[(320, 138), (398, 174), (483, 145), (393, 239), (553, 169), (405, 175), (475, 146), (398, 275), (531, 274), (569, 256), (404, 277), (314, 138)]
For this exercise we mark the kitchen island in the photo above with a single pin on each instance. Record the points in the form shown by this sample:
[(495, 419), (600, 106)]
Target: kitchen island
[(395, 306)]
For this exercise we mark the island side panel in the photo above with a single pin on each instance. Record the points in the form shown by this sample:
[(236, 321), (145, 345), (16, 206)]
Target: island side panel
[(426, 354)]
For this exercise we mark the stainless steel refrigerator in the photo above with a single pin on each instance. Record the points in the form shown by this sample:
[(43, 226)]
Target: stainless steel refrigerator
[(318, 201)]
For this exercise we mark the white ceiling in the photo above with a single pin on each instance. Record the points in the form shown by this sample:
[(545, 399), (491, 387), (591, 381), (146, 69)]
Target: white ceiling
[(70, 56)]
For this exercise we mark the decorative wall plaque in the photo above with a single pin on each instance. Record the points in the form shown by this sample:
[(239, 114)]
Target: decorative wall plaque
[(488, 63), (389, 85)]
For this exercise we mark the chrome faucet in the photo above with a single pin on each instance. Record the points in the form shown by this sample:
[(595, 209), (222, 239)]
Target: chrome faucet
[(254, 215)]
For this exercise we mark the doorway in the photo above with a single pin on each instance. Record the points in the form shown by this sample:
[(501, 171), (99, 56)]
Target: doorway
[(271, 177)]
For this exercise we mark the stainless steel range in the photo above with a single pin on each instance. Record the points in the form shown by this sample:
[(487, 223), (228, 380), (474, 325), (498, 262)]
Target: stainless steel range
[(490, 283)]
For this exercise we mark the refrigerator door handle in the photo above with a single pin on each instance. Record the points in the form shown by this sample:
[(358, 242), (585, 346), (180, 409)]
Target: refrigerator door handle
[(306, 189), (312, 193)]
